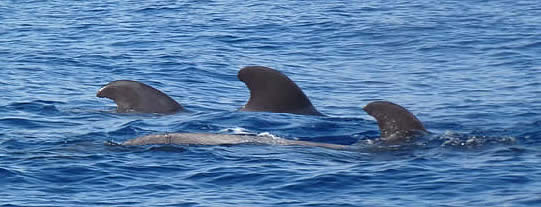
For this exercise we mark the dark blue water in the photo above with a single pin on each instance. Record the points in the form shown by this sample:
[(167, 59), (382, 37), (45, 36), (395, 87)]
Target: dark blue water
[(470, 70)]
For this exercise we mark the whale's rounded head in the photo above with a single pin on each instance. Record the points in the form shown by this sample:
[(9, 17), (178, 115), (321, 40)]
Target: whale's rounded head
[(115, 89), (272, 91), (133, 96), (395, 122)]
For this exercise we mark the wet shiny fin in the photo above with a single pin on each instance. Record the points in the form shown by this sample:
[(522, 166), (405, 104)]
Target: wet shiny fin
[(395, 122), (272, 91), (133, 96)]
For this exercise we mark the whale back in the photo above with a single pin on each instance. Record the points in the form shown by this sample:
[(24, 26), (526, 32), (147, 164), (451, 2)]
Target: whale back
[(272, 91), (394, 121), (133, 96)]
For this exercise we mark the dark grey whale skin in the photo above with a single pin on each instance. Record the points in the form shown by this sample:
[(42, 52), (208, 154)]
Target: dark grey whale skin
[(272, 91), (395, 122), (133, 96)]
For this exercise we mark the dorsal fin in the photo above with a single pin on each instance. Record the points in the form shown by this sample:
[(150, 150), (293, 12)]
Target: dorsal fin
[(394, 121), (272, 91), (138, 97)]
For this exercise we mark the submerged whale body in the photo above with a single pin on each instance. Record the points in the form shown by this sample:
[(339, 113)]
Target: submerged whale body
[(223, 139), (395, 122), (133, 96), (272, 91)]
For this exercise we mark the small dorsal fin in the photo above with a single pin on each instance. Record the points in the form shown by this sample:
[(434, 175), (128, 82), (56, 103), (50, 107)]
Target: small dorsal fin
[(272, 91), (394, 121), (133, 96)]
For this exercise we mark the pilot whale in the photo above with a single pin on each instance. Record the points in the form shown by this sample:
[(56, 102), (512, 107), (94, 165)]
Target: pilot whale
[(133, 96), (395, 123), (270, 91)]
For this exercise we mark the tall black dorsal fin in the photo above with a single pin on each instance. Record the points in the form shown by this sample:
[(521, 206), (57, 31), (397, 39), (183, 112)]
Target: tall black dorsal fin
[(272, 91), (394, 121), (133, 96)]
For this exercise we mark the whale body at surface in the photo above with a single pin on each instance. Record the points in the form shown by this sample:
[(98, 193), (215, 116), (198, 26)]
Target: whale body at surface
[(395, 122)]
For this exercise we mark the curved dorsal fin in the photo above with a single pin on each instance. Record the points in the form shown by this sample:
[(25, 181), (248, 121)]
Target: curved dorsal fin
[(138, 97), (272, 91), (394, 121)]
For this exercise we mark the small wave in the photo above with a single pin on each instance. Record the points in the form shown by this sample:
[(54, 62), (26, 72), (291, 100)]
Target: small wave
[(167, 148), (153, 10), (235, 130), (6, 173), (37, 106), (451, 139), (112, 143), (267, 134), (126, 130), (33, 124)]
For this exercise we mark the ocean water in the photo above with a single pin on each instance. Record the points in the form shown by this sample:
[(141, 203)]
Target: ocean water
[(469, 70)]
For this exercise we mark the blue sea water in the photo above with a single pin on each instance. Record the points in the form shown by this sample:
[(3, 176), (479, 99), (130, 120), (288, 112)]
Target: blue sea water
[(470, 70)]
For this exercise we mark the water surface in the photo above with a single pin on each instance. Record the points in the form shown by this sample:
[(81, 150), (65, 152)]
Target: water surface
[(470, 70)]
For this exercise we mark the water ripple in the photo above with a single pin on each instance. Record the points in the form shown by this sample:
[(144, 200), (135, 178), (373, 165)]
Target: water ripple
[(469, 70)]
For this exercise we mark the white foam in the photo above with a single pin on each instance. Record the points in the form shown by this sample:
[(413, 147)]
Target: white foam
[(236, 130)]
